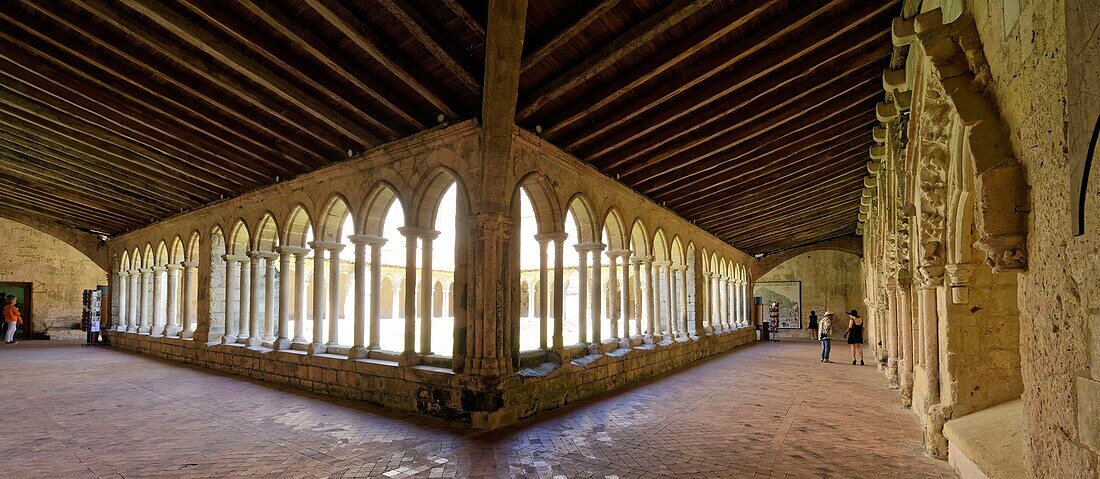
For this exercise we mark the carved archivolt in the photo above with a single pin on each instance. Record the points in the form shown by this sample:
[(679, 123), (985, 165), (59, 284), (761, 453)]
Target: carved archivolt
[(934, 126)]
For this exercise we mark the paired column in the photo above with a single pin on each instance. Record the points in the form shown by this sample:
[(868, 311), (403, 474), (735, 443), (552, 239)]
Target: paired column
[(929, 314), (408, 355), (282, 340), (246, 309), (614, 305), (359, 348), (684, 330), (157, 328), (174, 298), (232, 297), (134, 302), (123, 301), (542, 290), (317, 346), (597, 293), (427, 288), (892, 333), (334, 300), (146, 300), (666, 293), (636, 288), (582, 286), (905, 334), (269, 296), (190, 283), (652, 299), (557, 340), (252, 328)]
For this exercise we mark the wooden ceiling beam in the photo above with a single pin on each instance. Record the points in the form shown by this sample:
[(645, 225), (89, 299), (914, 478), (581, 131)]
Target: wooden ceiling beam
[(768, 231), (103, 140), (802, 207), (833, 156), (253, 39), (802, 14), (13, 188), (350, 25), (756, 118), (625, 44), (808, 113), (820, 189), (76, 222), (638, 137), (325, 54), (442, 49), (566, 32), (465, 17), (779, 151), (75, 195), (138, 33), (62, 157), (172, 91), (845, 106), (820, 229), (206, 42)]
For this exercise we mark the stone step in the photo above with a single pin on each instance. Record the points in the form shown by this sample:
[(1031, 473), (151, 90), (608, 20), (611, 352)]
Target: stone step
[(66, 334)]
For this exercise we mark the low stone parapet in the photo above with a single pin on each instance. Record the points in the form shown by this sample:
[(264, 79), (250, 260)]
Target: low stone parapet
[(481, 402)]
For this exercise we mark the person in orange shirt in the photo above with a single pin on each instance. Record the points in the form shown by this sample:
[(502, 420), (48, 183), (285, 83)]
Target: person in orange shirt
[(13, 318)]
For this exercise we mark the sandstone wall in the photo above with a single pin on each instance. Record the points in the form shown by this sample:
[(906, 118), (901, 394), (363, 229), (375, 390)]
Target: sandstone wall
[(1059, 296), (58, 273), (830, 279)]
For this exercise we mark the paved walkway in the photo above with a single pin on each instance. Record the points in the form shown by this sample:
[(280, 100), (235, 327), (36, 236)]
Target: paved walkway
[(769, 410)]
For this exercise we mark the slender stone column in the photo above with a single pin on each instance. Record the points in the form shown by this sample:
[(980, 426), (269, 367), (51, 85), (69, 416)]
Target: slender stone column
[(123, 303), (582, 286), (892, 333), (134, 301), (245, 302), (673, 276), (666, 293), (651, 301), (408, 354), (334, 299), (559, 289), (427, 290), (597, 293), (542, 290), (174, 295), (190, 283), (358, 349), (300, 295), (613, 299), (317, 346), (624, 296), (905, 334), (930, 315), (639, 296), (684, 302), (255, 259), (157, 320), (268, 333), (712, 302), (282, 340), (231, 296)]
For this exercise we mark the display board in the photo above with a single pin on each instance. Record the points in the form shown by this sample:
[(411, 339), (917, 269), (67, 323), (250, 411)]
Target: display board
[(788, 296)]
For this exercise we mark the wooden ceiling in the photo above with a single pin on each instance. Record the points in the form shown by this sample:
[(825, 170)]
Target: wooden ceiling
[(751, 118)]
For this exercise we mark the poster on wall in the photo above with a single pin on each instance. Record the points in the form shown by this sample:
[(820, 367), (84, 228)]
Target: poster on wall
[(819, 310), (788, 297)]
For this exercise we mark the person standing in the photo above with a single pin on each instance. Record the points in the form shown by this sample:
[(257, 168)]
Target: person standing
[(13, 320), (813, 324), (855, 335), (826, 329)]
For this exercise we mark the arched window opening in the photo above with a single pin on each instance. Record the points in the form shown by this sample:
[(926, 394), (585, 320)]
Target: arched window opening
[(217, 291), (443, 259), (392, 327), (531, 328)]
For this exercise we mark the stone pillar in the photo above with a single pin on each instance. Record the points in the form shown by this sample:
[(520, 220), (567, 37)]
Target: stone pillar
[(930, 316), (359, 349), (408, 354), (123, 303), (255, 260), (300, 295), (905, 335), (624, 298), (597, 293), (638, 293), (334, 299), (892, 333), (652, 299), (427, 288), (268, 333), (157, 328), (247, 291), (542, 289), (317, 346), (684, 332), (673, 275), (489, 333), (231, 295), (190, 282), (666, 293), (282, 340), (174, 296), (135, 301), (376, 292), (582, 286), (612, 299), (558, 237)]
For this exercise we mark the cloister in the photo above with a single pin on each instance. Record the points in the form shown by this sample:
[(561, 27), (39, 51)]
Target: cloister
[(568, 238)]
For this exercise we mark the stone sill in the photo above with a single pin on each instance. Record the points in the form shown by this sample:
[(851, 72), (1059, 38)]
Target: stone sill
[(988, 443)]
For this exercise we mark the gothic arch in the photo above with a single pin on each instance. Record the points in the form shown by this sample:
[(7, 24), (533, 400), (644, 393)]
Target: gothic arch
[(375, 208), (331, 221), (583, 214)]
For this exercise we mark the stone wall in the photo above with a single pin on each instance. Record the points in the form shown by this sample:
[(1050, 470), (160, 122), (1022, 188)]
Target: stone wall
[(439, 391), (1025, 44), (58, 273), (830, 279)]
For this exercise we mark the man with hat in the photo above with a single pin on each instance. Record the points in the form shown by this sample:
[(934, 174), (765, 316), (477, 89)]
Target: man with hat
[(826, 329)]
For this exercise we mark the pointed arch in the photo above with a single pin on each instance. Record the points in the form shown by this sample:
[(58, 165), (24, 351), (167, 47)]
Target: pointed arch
[(299, 226), (135, 259), (193, 246), (375, 208), (240, 239), (124, 263), (331, 220), (639, 238), (177, 254), (162, 254), (430, 193), (548, 212), (613, 227), (705, 260), (660, 246), (676, 252), (147, 257), (267, 233), (585, 218)]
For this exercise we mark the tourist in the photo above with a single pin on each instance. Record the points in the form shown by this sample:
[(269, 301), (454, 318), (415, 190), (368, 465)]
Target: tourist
[(826, 328), (855, 335), (13, 320), (813, 324)]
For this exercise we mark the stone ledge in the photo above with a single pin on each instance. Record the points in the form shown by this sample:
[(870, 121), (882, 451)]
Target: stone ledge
[(988, 443), (436, 391)]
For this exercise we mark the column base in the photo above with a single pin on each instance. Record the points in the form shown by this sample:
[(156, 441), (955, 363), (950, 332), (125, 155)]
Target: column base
[(229, 339), (316, 348), (254, 342), (647, 339), (556, 356), (624, 343), (281, 344), (131, 329), (143, 330), (358, 352), (408, 358), (185, 334), (242, 339), (121, 329)]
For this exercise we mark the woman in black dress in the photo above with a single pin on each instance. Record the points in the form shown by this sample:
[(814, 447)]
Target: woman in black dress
[(855, 335), (813, 324)]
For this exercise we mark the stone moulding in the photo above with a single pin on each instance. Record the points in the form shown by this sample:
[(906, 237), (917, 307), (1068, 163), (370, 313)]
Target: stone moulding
[(955, 54)]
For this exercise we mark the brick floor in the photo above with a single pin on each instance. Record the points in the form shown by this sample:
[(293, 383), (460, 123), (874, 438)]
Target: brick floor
[(766, 411)]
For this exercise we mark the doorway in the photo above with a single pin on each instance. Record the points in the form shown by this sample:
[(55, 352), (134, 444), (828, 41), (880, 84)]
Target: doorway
[(23, 298)]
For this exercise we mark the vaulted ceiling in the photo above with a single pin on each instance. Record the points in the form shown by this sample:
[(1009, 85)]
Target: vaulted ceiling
[(751, 118)]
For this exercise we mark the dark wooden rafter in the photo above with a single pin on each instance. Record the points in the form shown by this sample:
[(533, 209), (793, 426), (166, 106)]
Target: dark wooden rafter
[(618, 49), (566, 33), (351, 26), (443, 50), (465, 17)]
